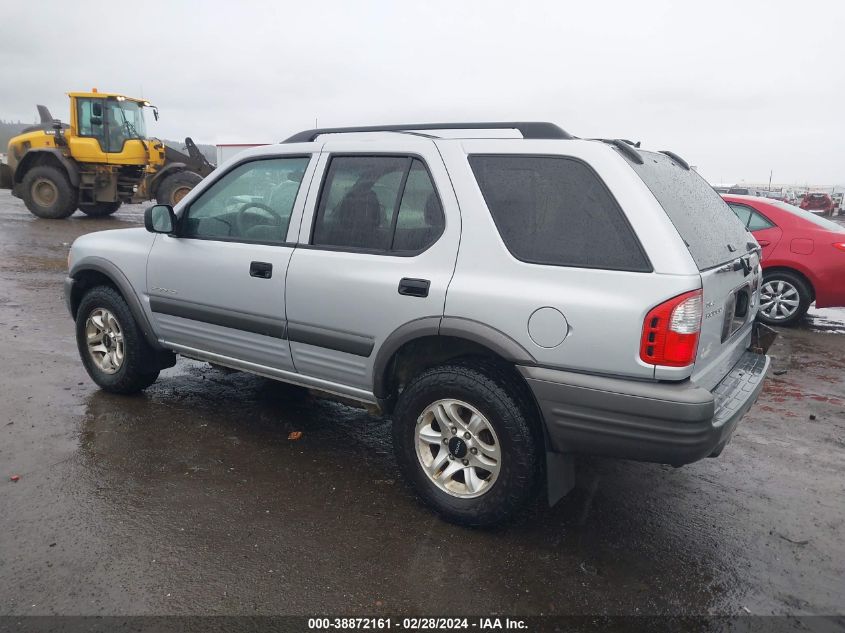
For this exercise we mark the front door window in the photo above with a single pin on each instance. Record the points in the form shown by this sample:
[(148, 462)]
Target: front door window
[(251, 203)]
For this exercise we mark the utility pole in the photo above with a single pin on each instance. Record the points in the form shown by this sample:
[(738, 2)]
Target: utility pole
[(770, 179)]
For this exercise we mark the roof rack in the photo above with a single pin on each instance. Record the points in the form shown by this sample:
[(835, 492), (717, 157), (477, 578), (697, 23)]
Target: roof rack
[(528, 129), (625, 147)]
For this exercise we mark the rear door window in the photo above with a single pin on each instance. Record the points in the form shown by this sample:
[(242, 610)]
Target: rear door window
[(757, 222), (752, 220), (378, 204), (742, 212), (556, 210), (712, 233), (357, 203), (420, 220)]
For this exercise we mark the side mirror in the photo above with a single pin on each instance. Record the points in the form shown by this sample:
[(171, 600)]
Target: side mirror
[(159, 218)]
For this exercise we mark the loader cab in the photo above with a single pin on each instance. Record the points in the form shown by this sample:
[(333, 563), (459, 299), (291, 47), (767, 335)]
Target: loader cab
[(108, 129)]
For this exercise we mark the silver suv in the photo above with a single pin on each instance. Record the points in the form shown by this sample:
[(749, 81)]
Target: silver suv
[(508, 294)]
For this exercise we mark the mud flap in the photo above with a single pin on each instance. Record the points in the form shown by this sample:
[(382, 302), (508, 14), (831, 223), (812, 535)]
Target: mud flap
[(560, 475), (762, 337)]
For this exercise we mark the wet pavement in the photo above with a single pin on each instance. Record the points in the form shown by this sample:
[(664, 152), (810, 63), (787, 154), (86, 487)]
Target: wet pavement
[(191, 499)]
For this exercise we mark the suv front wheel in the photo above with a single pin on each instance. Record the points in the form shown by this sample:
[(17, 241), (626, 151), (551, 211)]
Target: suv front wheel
[(463, 440), (113, 349)]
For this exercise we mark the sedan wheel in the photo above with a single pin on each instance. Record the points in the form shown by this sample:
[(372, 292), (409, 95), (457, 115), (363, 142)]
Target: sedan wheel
[(784, 298), (779, 300)]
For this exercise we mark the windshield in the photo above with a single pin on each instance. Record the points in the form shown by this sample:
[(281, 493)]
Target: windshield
[(810, 217), (126, 121)]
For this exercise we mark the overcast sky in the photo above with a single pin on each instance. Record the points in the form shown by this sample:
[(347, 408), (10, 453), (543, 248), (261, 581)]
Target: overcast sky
[(736, 88)]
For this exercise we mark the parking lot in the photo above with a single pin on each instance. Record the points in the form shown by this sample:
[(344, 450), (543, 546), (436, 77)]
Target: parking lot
[(191, 499)]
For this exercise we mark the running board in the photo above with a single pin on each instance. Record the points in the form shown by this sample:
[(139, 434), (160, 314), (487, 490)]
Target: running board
[(353, 393)]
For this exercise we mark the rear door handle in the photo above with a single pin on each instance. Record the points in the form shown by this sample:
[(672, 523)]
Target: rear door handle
[(414, 287), (262, 270)]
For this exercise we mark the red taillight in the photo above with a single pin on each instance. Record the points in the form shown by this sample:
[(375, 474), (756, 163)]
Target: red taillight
[(670, 331), (839, 246)]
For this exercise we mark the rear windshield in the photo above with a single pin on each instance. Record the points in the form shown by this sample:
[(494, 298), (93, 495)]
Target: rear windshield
[(711, 231), (810, 217)]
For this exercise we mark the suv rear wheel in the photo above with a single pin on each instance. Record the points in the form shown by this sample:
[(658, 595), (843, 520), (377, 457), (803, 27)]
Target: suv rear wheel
[(463, 440), (784, 298), (113, 350)]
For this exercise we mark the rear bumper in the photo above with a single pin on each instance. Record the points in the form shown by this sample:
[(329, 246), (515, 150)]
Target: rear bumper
[(653, 422)]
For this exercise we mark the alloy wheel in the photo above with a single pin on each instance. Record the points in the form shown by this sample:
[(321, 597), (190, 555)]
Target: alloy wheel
[(104, 337), (779, 299), (458, 448)]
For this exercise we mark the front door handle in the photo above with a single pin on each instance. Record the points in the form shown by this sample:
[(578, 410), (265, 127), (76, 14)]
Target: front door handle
[(262, 270), (414, 287)]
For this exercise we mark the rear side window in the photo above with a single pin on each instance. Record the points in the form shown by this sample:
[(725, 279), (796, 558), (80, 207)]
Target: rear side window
[(555, 210), (712, 233)]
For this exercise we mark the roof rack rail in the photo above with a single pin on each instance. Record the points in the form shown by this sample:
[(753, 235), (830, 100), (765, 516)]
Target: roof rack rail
[(625, 147), (528, 129), (676, 158)]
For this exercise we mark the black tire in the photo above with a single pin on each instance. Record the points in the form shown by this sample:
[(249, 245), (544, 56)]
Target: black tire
[(48, 194), (494, 392), (805, 297), (133, 374), (175, 186), (100, 209)]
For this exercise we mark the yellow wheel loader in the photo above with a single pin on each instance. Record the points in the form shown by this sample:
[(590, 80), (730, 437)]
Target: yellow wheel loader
[(98, 161)]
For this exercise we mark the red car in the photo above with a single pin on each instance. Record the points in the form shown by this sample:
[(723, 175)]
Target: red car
[(803, 257), (818, 202)]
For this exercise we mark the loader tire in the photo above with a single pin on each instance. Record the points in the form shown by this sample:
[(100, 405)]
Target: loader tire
[(176, 186), (48, 194), (100, 209)]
